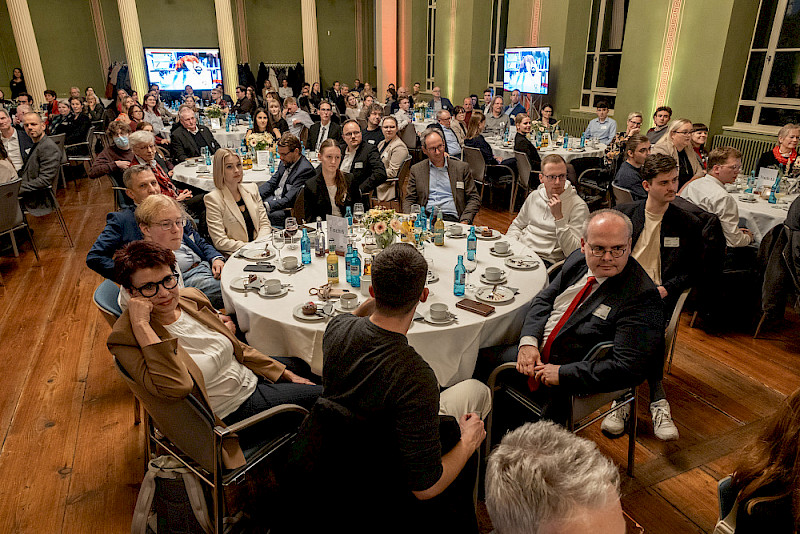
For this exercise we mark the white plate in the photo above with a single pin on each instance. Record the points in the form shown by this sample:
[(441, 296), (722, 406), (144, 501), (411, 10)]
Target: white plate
[(459, 236), (256, 254), (237, 284), (426, 316), (297, 312), (749, 200), (522, 263), (338, 307), (263, 292), (503, 295), (495, 235), (502, 280), (497, 254)]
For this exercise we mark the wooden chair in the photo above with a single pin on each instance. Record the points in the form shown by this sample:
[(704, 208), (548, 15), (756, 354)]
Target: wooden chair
[(298, 211), (304, 135), (399, 185)]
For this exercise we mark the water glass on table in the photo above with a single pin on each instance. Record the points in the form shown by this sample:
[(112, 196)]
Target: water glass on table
[(291, 229), (470, 266), (279, 241)]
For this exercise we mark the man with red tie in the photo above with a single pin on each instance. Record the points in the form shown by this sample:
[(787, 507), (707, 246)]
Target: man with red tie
[(600, 295)]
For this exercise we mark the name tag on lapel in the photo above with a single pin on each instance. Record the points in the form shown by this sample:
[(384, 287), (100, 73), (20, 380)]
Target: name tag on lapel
[(602, 311), (371, 141), (459, 185), (672, 242), (358, 165)]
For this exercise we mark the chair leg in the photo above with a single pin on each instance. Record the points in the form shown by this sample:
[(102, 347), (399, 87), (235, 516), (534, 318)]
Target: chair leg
[(137, 411), (632, 435), (694, 318), (62, 221), (33, 243), (758, 328), (513, 197), (14, 244)]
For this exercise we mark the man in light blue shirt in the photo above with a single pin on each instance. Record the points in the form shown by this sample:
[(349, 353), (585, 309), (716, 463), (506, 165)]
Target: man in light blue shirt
[(440, 194), (603, 128), (450, 138), (514, 108)]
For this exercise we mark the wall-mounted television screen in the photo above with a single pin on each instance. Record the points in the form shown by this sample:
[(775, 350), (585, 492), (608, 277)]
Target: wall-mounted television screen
[(172, 69), (527, 70)]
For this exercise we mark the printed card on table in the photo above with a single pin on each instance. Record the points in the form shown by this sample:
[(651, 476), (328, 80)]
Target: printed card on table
[(337, 230)]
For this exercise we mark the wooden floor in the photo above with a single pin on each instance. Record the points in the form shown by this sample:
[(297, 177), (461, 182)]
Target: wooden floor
[(71, 459)]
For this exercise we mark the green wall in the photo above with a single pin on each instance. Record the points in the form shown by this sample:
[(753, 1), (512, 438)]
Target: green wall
[(337, 50), (9, 59), (271, 41), (419, 35)]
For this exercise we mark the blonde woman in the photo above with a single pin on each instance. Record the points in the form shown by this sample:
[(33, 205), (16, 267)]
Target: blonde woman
[(677, 142), (234, 212), (393, 153)]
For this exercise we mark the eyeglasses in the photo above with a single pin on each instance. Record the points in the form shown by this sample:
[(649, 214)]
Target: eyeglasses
[(684, 132), (616, 252), (351, 134), (150, 289), (437, 148), (554, 177), (168, 224), (635, 123), (733, 167)]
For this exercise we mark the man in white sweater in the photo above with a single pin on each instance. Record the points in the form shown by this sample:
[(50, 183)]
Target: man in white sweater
[(551, 219)]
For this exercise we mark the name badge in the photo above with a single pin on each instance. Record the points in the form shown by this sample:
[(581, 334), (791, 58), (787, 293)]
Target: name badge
[(602, 311), (371, 141), (459, 185), (672, 242), (358, 165)]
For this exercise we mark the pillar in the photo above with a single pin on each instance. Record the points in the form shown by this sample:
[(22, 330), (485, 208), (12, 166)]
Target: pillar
[(102, 40), (310, 41), (386, 33), (227, 44), (132, 37), (244, 47), (29, 60), (404, 45)]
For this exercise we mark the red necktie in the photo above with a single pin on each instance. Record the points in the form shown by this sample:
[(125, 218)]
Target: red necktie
[(533, 383)]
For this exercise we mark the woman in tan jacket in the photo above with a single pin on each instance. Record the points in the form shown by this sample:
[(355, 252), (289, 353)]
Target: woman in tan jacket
[(677, 142), (393, 153), (235, 213)]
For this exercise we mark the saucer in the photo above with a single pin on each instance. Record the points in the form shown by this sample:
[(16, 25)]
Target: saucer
[(501, 280), (522, 263), (508, 253), (503, 295), (291, 271), (495, 235), (459, 236), (297, 312), (255, 254), (237, 284), (338, 307), (432, 277), (749, 200), (263, 292), (426, 316)]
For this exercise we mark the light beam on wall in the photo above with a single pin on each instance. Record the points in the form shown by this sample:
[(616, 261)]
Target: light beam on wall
[(451, 56)]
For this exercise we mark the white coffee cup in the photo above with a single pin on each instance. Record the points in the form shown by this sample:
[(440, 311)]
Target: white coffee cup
[(493, 273), (456, 229), (272, 286), (348, 301), (439, 311), (290, 263), (501, 247), (750, 196), (366, 282)]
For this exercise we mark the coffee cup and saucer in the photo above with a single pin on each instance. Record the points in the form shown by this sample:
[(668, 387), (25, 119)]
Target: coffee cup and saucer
[(438, 314), (455, 232), (501, 249), (347, 303), (289, 265), (273, 288), (494, 275)]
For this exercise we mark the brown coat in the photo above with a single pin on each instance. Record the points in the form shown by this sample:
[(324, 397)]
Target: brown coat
[(169, 374), (465, 194)]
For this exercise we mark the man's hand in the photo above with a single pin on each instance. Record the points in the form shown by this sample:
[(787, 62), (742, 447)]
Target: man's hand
[(289, 376), (554, 203), (216, 268), (662, 292), (745, 231), (183, 195), (123, 164), (547, 374), (139, 310), (228, 322), (528, 358), (472, 431)]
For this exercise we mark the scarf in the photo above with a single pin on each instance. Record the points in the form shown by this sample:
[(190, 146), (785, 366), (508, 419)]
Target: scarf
[(784, 161)]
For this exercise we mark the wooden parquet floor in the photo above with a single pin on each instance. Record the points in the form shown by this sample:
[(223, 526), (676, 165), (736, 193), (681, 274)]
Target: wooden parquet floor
[(71, 458)]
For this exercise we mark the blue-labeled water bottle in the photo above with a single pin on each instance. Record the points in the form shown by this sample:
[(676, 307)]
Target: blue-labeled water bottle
[(583, 139), (348, 257), (566, 140), (460, 275), (472, 244), (423, 219), (305, 247), (751, 182), (355, 269), (227, 123), (773, 199), (348, 214), (250, 121), (538, 138)]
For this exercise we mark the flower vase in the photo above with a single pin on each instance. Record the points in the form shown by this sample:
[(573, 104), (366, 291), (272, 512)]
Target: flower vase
[(385, 239)]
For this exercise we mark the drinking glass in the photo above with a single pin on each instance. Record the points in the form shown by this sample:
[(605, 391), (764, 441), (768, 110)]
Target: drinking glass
[(470, 266), (278, 241), (429, 275), (291, 229), (358, 213)]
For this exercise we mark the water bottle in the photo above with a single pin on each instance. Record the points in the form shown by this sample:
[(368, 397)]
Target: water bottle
[(773, 199), (303, 149), (423, 220), (305, 247), (751, 182), (320, 238), (250, 121), (348, 214), (227, 123), (583, 139), (355, 269), (566, 140), (472, 244), (460, 275), (208, 156)]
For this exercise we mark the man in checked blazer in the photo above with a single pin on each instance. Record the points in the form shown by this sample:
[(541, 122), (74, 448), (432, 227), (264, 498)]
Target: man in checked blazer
[(457, 197)]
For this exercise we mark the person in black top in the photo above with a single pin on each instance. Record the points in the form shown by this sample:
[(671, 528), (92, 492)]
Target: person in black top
[(361, 159), (276, 124), (784, 153), (376, 434), (637, 148), (189, 138), (17, 83), (373, 134), (521, 143), (330, 191), (76, 126), (475, 139)]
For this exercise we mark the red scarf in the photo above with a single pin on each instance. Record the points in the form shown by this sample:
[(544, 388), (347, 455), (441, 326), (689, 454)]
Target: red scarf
[(784, 161)]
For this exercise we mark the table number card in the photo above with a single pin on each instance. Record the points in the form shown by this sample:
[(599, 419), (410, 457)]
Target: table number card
[(262, 158), (337, 230), (767, 177), (215, 124)]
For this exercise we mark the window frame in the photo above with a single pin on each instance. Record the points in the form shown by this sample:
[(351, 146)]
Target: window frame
[(595, 90)]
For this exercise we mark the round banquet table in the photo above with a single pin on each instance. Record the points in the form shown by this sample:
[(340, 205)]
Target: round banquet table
[(205, 180), (450, 350), (760, 216), (231, 139)]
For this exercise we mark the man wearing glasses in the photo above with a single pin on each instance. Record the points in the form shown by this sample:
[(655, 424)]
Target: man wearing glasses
[(600, 295), (551, 220), (360, 159), (201, 264)]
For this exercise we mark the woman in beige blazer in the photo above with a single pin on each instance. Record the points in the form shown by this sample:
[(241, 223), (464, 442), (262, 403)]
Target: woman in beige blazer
[(393, 153), (235, 213), (677, 143)]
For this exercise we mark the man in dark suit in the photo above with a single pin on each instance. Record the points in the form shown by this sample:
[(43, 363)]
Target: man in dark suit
[(324, 129), (16, 141), (666, 243), (189, 137), (336, 97), (360, 159), (121, 228), (41, 167), (243, 106), (439, 102), (600, 295), (281, 191), (442, 182)]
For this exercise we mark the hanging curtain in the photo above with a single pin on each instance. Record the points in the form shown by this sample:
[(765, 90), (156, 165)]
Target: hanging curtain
[(617, 25)]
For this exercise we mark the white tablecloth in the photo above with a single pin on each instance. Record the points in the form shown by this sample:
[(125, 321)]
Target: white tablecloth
[(205, 181), (761, 216), (231, 139), (450, 350)]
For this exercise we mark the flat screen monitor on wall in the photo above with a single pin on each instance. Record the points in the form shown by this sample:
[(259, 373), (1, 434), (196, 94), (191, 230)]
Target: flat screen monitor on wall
[(172, 69), (527, 70)]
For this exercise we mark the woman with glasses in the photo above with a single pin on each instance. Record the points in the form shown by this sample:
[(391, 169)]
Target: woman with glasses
[(677, 143), (172, 342), (784, 153), (393, 153), (235, 213), (615, 151), (143, 146)]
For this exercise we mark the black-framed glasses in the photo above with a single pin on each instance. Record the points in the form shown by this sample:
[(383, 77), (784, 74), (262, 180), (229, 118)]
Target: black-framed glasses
[(616, 252), (554, 177), (150, 289)]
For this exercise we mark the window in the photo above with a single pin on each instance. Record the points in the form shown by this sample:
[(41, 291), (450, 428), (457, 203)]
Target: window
[(604, 52), (430, 59), (770, 94), (497, 44)]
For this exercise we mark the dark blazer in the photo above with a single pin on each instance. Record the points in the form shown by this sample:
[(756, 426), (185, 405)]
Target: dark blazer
[(317, 200), (634, 322), (25, 144), (244, 106), (446, 104), (367, 169), (334, 132), (40, 171), (184, 145), (466, 197), (299, 175), (680, 247), (121, 229), (521, 144)]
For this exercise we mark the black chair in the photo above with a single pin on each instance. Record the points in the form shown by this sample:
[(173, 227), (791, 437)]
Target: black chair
[(59, 141), (57, 208), (592, 181), (524, 175)]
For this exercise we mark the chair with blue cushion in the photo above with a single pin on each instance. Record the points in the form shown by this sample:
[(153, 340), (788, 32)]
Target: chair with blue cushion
[(727, 500)]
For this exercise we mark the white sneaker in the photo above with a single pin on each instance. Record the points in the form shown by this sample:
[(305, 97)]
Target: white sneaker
[(663, 427), (615, 422)]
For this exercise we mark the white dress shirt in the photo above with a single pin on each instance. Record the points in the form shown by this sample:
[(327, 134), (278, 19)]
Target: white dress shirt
[(709, 193), (12, 147), (347, 160)]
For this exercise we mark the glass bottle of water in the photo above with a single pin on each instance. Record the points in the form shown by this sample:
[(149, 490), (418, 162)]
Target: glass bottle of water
[(472, 244), (460, 274)]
